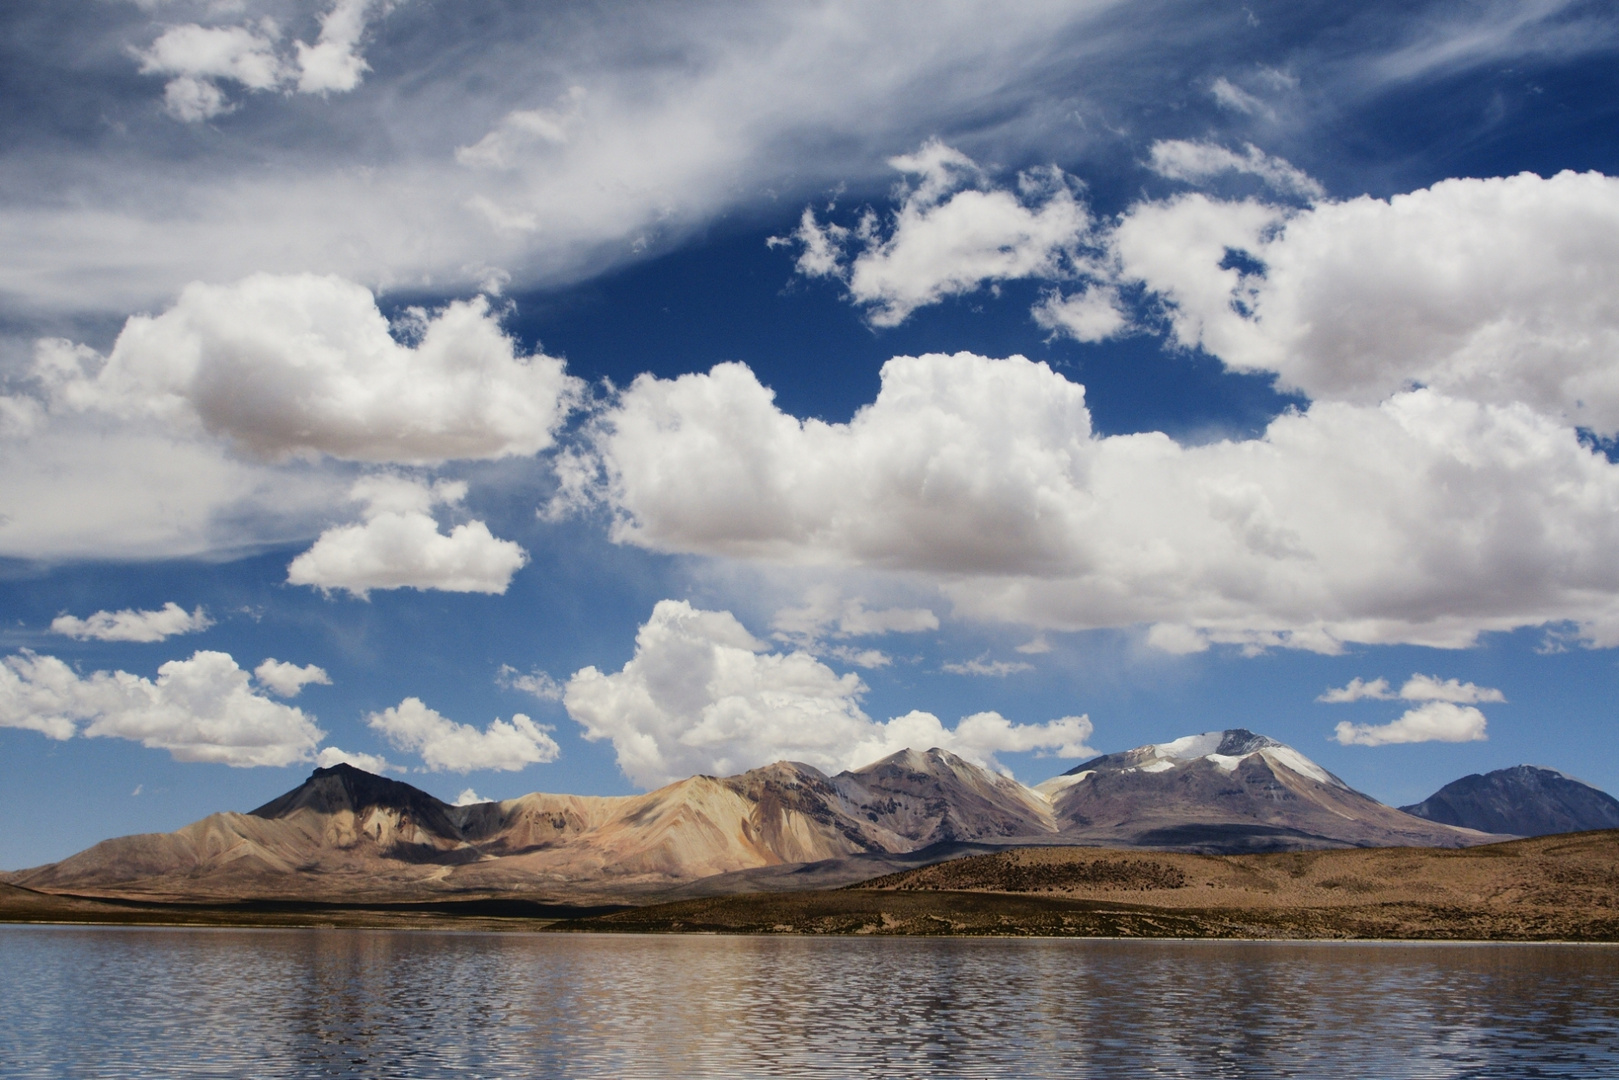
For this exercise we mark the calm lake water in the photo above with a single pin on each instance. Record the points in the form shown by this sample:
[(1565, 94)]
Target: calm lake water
[(94, 1002)]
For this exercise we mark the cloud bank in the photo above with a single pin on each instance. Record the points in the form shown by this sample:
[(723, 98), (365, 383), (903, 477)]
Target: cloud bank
[(702, 695), (1422, 519), (687, 114), (1498, 291), (200, 709)]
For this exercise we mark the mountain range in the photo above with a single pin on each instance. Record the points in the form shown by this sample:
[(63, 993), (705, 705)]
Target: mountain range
[(349, 836)]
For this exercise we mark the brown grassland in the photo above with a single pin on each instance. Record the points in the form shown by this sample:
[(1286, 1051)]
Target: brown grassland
[(1563, 888)]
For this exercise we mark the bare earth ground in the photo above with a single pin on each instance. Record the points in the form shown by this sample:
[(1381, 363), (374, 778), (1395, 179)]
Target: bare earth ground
[(1547, 888)]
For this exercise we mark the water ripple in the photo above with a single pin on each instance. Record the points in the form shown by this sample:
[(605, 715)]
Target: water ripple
[(115, 1003)]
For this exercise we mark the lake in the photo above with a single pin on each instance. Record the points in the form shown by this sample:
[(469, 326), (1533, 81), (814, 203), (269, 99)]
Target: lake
[(141, 1002)]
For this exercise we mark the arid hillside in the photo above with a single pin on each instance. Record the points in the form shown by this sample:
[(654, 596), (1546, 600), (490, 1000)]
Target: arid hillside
[(1548, 888), (349, 836)]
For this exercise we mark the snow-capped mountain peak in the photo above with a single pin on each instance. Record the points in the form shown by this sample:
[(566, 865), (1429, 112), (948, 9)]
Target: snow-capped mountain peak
[(1225, 750)]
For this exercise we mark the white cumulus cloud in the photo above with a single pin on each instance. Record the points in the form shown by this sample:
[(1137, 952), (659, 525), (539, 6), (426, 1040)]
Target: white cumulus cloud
[(334, 63), (1423, 519), (200, 709), (1417, 688), (399, 545), (133, 625), (371, 763), (195, 56), (305, 365), (288, 679), (1437, 721), (952, 233), (1094, 313), (703, 695), (1502, 291), (1432, 688), (870, 659), (446, 746), (198, 58)]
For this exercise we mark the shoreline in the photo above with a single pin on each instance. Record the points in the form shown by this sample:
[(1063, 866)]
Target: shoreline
[(851, 913)]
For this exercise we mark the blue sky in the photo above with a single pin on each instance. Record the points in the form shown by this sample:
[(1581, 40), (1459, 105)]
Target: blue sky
[(577, 398)]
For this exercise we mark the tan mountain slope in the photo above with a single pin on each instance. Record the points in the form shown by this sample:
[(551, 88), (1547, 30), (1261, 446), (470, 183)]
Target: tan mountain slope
[(348, 835)]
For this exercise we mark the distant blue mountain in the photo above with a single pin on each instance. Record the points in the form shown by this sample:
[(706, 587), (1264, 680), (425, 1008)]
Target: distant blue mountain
[(1525, 800)]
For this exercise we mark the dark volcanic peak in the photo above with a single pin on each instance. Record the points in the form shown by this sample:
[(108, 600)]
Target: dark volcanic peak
[(343, 787), (1525, 800)]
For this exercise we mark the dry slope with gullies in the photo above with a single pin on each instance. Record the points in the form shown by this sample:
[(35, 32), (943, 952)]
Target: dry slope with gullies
[(1548, 888)]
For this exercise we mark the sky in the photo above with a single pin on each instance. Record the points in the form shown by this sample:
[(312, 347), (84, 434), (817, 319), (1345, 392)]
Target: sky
[(514, 397)]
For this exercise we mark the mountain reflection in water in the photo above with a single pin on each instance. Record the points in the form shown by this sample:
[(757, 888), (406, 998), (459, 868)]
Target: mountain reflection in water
[(105, 1002)]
